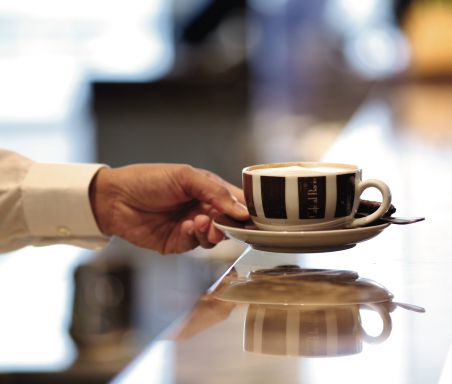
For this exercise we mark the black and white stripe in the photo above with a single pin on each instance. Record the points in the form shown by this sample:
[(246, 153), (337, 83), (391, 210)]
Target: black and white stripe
[(322, 332), (310, 197), (248, 191), (273, 191), (345, 194)]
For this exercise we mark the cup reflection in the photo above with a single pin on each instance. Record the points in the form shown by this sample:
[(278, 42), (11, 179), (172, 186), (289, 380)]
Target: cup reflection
[(313, 331), (309, 312)]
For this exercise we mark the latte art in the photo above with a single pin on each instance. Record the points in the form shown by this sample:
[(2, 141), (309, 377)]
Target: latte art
[(298, 170)]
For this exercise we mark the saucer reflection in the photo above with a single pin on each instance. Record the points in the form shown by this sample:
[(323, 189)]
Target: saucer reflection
[(309, 312)]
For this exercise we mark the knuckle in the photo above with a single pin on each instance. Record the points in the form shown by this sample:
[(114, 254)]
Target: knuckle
[(217, 193), (184, 170)]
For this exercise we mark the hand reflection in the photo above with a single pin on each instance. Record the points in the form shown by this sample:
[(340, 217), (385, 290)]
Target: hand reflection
[(208, 311)]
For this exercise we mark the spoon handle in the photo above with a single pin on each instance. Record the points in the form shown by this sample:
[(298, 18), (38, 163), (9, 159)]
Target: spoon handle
[(411, 307), (396, 220), (402, 220)]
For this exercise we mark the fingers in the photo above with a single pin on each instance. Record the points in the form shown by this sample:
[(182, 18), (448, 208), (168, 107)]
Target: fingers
[(236, 191), (201, 231), (214, 235), (211, 189), (201, 225), (186, 240)]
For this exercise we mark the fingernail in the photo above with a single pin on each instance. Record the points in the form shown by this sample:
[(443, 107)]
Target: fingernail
[(241, 208), (204, 227), (191, 231)]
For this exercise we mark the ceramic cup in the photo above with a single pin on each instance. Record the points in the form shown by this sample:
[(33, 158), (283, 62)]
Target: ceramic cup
[(308, 196), (311, 331)]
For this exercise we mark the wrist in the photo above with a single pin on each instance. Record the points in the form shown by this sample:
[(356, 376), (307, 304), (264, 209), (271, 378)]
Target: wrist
[(101, 196)]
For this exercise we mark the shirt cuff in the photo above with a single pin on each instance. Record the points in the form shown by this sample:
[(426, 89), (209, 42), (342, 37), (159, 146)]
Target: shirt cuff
[(56, 203)]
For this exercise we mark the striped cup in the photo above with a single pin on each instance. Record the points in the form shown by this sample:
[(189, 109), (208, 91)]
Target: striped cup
[(308, 196), (317, 331)]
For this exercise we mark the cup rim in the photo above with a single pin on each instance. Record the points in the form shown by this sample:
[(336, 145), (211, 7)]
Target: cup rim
[(308, 164)]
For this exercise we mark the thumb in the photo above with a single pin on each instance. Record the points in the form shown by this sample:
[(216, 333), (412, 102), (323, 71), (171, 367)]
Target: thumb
[(211, 189)]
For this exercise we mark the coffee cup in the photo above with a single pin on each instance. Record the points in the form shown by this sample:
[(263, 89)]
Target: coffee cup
[(313, 331), (308, 196)]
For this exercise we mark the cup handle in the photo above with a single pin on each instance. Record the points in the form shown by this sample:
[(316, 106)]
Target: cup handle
[(387, 324), (382, 209)]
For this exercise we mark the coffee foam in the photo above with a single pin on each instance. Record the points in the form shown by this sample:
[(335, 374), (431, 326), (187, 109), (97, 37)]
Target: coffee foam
[(298, 170)]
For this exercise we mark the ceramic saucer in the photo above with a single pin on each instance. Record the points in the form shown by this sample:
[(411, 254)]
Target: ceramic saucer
[(297, 242)]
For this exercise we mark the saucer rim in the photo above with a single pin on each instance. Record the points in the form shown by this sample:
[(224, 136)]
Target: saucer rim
[(304, 305), (298, 233), (301, 241)]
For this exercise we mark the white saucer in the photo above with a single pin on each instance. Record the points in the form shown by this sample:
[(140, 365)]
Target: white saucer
[(303, 293), (297, 242)]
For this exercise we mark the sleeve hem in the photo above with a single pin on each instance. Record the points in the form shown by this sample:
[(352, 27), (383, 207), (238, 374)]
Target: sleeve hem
[(56, 201)]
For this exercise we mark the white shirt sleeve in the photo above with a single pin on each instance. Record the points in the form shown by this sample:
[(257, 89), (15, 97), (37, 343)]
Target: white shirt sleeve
[(42, 204)]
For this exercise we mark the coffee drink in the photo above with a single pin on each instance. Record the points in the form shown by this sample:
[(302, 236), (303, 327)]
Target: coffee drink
[(295, 170)]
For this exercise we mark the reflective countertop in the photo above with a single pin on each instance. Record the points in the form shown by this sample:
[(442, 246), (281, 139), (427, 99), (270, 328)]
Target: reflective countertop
[(378, 312)]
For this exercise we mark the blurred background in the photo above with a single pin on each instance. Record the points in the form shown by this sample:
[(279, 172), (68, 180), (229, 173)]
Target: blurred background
[(219, 84)]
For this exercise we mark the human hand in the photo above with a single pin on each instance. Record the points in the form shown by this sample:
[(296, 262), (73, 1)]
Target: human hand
[(165, 207), (208, 312)]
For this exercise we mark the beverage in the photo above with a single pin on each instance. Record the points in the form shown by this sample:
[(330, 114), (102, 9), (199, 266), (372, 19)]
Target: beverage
[(297, 170)]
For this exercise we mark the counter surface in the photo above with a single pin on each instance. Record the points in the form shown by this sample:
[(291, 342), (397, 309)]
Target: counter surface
[(346, 320)]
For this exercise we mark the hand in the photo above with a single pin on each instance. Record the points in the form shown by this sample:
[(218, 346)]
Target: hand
[(209, 310), (165, 207), (205, 314)]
